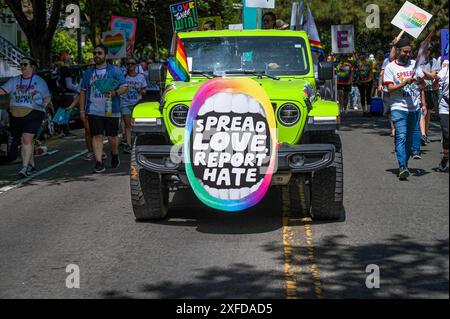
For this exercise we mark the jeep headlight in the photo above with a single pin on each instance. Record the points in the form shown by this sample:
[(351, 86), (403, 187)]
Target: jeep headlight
[(178, 115), (288, 114)]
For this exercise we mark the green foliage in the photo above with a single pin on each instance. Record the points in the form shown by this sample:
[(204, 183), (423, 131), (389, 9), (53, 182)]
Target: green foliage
[(63, 42)]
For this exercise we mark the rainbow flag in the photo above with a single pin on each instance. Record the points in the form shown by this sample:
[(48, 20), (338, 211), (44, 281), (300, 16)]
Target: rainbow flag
[(313, 35), (178, 65)]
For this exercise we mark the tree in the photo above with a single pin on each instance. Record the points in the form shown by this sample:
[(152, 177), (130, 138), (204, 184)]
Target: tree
[(38, 26)]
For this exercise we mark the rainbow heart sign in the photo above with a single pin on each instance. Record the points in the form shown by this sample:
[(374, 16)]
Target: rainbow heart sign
[(230, 143), (129, 26), (411, 19), (116, 44)]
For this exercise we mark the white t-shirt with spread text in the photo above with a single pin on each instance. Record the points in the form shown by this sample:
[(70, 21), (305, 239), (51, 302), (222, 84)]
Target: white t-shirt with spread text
[(407, 98), (135, 85), (27, 93)]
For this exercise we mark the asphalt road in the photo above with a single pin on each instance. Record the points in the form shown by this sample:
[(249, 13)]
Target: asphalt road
[(70, 216)]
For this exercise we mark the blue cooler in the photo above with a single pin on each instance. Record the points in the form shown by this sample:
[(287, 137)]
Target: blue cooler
[(376, 106)]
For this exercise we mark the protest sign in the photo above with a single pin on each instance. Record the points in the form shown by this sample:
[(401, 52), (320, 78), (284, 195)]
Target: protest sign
[(184, 16), (265, 4), (411, 19), (444, 44), (129, 26), (217, 21), (230, 146), (116, 43), (343, 39)]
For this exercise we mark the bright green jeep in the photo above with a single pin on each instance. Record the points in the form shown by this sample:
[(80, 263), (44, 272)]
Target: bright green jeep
[(309, 152)]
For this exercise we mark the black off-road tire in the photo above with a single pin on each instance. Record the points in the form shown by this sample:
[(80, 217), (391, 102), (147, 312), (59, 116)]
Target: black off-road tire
[(149, 195), (327, 189)]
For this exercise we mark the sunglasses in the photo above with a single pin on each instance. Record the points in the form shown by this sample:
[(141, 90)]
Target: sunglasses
[(24, 64), (131, 63), (98, 52)]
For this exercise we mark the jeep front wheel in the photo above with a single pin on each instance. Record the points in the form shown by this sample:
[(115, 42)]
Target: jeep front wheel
[(149, 195), (327, 189)]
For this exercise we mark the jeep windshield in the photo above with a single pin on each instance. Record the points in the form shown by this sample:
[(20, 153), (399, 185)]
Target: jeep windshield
[(243, 55)]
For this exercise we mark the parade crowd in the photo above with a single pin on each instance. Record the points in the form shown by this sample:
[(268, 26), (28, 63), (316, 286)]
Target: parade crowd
[(409, 95)]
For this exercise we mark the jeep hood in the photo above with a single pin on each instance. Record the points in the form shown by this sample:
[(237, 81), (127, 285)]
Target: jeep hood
[(284, 89)]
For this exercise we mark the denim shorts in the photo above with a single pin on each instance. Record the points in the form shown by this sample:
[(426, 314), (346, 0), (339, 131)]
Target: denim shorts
[(127, 110)]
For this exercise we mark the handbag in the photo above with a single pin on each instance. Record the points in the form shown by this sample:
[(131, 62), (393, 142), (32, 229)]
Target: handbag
[(62, 116)]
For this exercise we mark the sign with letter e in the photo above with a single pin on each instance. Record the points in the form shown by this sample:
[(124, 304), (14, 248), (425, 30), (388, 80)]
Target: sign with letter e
[(343, 39)]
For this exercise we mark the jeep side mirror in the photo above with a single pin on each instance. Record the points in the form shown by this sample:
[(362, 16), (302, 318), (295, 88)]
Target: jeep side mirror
[(325, 71), (156, 73)]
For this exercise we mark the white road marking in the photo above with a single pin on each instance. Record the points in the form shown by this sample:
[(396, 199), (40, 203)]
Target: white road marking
[(22, 181)]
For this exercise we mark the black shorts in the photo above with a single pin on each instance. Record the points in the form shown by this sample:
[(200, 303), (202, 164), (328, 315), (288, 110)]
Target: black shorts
[(100, 125), (28, 124), (345, 88), (432, 99)]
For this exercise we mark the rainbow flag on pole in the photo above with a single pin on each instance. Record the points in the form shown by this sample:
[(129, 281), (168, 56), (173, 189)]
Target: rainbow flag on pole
[(178, 65), (313, 35)]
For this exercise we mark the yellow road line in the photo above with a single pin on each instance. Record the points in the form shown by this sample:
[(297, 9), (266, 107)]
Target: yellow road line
[(288, 236), (314, 269)]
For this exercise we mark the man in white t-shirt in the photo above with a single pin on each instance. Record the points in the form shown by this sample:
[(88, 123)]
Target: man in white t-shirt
[(405, 104)]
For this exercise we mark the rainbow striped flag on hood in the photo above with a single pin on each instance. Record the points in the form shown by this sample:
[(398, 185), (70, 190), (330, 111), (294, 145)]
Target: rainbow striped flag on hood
[(177, 65), (313, 35)]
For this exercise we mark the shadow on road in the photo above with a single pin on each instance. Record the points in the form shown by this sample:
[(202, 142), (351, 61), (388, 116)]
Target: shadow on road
[(187, 210), (236, 281), (408, 268)]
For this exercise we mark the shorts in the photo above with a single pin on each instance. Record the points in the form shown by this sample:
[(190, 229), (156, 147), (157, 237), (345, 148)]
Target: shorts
[(444, 126), (100, 125), (127, 110), (30, 123), (345, 88), (432, 99)]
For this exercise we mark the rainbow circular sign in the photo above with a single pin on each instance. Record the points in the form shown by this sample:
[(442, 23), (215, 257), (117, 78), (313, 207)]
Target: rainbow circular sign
[(230, 145)]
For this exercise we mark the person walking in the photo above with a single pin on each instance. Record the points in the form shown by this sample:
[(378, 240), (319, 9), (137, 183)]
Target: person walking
[(344, 72), (365, 76), (443, 115), (405, 103), (29, 96), (430, 95), (95, 104), (137, 86)]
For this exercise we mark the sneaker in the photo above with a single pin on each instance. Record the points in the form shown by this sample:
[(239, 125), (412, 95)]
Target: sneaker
[(24, 172), (416, 156), (128, 149), (89, 156), (99, 168), (443, 165), (403, 173), (115, 161), (31, 169), (424, 141)]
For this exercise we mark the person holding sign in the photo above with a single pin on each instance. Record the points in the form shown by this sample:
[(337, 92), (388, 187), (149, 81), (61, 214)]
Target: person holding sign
[(137, 86), (29, 96), (101, 89), (399, 77)]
